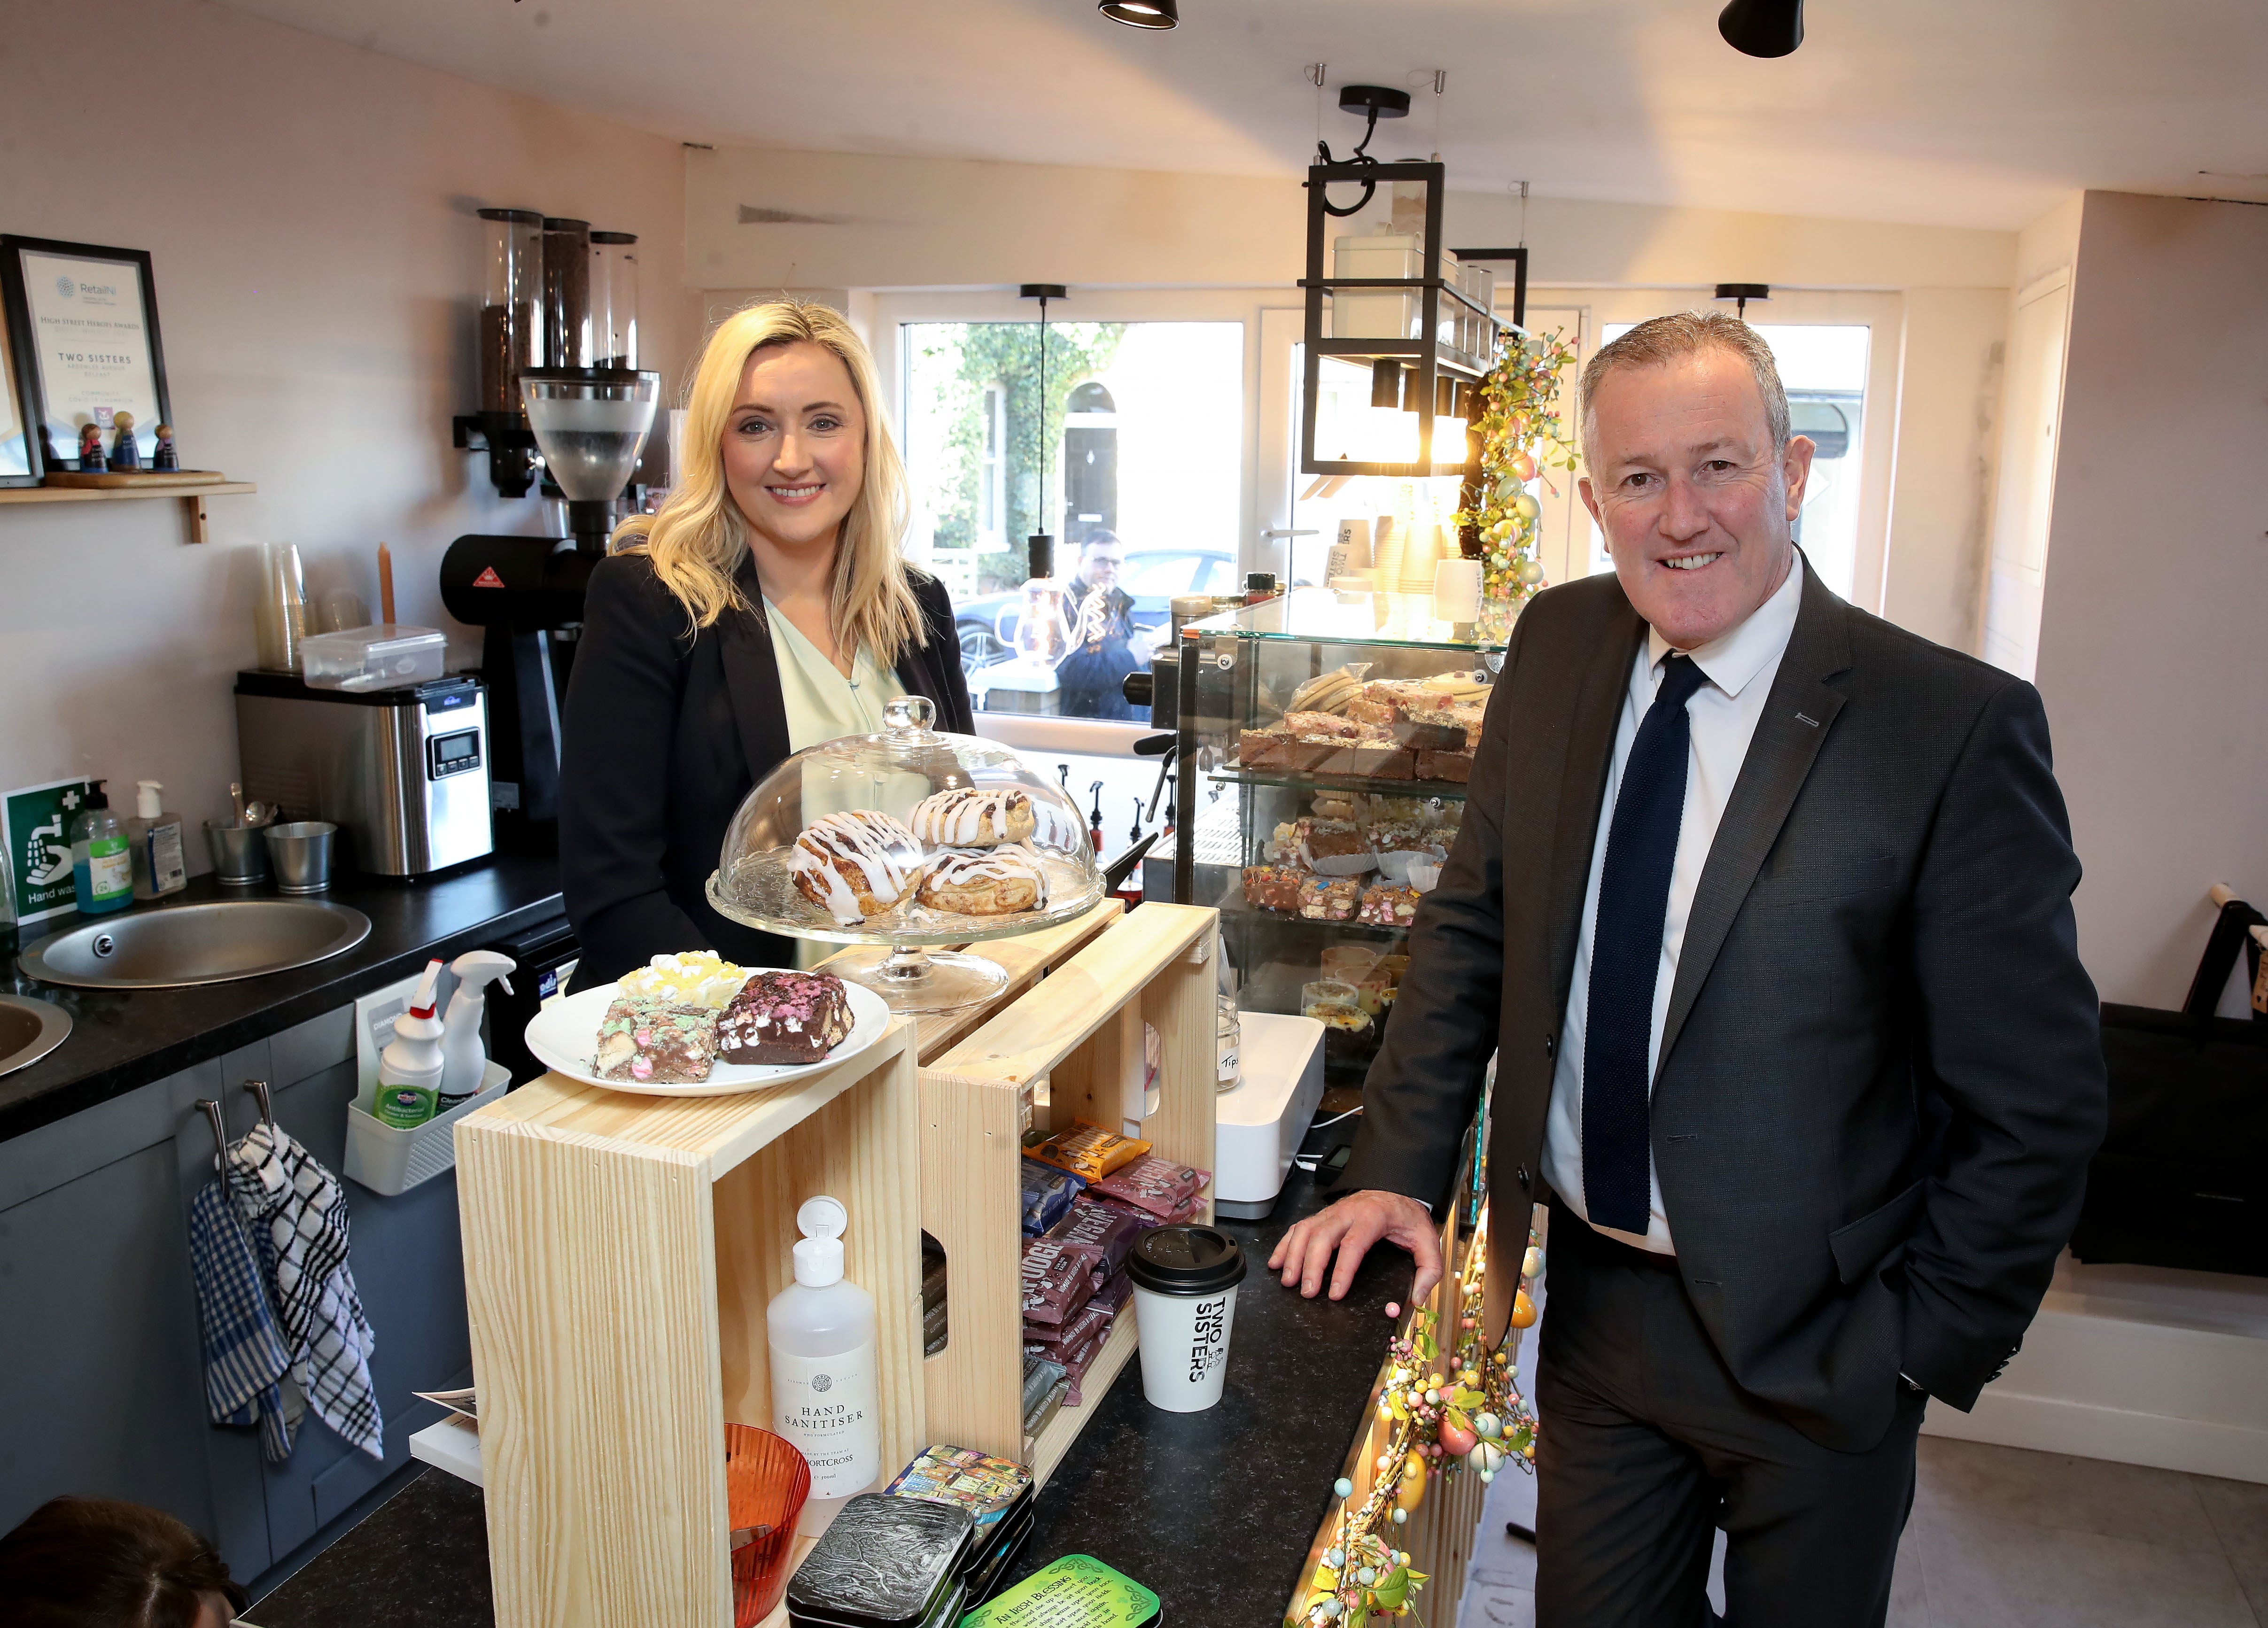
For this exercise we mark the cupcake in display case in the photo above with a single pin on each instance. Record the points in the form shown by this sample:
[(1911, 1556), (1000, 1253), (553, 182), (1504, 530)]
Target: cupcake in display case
[(902, 841)]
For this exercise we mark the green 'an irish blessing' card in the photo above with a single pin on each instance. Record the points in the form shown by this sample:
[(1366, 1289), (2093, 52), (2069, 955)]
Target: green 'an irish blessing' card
[(1077, 1591)]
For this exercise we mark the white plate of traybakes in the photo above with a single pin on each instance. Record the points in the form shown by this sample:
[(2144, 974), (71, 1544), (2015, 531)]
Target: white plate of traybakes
[(565, 1034)]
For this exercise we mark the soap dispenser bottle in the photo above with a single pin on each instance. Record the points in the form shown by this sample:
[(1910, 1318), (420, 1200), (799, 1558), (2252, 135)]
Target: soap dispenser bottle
[(102, 870), (464, 1059), (820, 1331), (409, 1068), (161, 866)]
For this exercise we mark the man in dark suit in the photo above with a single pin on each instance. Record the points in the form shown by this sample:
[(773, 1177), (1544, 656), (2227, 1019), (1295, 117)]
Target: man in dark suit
[(1764, 907)]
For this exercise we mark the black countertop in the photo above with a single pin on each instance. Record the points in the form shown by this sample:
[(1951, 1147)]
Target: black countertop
[(1212, 1510), (121, 1039)]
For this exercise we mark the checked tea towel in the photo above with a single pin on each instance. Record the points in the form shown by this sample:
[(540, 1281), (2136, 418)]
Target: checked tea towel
[(245, 1359), (297, 1213)]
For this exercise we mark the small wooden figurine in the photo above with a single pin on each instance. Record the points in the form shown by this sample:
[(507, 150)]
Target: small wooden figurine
[(125, 451), (163, 456), (91, 460)]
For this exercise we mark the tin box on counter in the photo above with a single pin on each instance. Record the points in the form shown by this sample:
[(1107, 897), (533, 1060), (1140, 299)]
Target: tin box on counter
[(997, 1492), (885, 1563)]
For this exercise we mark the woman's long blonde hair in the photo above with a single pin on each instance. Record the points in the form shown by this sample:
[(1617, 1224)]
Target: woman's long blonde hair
[(698, 538)]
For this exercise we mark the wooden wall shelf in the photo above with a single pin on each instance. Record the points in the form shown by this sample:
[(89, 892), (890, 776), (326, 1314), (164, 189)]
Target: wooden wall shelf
[(192, 499)]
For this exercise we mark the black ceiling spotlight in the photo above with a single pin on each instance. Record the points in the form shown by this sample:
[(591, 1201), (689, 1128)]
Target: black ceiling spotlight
[(1743, 292), (1142, 13), (1762, 27)]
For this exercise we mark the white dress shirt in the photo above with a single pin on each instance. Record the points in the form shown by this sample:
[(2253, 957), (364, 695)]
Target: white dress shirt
[(1740, 667)]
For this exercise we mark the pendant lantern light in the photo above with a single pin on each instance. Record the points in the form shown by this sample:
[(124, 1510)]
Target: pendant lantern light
[(1143, 13), (1762, 27)]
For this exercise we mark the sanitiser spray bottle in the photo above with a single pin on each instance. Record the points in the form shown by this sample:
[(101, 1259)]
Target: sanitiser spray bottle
[(822, 1334), (464, 1059)]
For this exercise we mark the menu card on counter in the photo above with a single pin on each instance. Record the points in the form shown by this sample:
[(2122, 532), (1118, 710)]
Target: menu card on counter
[(1077, 1591)]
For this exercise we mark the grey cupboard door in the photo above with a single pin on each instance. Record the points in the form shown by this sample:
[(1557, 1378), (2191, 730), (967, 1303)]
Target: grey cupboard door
[(408, 1268)]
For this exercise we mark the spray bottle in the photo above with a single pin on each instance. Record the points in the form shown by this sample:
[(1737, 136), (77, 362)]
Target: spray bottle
[(409, 1069), (464, 1059)]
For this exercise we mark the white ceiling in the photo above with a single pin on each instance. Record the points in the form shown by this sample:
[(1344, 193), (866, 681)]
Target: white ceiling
[(1980, 113)]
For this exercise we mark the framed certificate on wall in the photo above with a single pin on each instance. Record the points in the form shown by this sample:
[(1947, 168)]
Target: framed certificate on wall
[(83, 335), (19, 457)]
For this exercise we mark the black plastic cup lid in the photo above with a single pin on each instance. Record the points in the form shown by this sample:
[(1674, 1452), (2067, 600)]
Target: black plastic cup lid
[(1186, 1260)]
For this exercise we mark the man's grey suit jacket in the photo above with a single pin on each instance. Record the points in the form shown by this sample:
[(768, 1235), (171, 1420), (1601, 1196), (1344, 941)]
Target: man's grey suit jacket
[(1880, 1078)]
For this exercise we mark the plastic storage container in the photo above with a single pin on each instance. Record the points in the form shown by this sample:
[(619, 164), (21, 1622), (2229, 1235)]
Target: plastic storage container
[(390, 1162), (1387, 314), (385, 656)]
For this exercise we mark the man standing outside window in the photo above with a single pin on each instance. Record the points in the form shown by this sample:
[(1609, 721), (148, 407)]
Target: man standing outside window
[(1103, 641), (1764, 907)]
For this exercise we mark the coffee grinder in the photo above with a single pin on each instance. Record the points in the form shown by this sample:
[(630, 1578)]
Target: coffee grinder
[(590, 425)]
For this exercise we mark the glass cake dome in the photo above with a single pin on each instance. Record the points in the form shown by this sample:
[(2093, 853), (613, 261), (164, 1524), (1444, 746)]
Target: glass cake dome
[(904, 839)]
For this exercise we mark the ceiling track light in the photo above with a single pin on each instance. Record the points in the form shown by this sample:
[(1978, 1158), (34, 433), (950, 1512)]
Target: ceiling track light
[(1143, 13), (1762, 27)]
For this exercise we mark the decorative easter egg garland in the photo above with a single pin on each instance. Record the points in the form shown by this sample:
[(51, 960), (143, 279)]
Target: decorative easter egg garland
[(1519, 435), (1440, 1421)]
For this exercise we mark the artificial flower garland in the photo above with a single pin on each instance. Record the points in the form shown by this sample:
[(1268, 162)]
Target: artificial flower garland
[(1472, 1416), (1520, 434)]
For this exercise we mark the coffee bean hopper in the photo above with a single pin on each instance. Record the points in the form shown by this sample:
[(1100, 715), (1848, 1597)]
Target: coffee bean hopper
[(590, 426)]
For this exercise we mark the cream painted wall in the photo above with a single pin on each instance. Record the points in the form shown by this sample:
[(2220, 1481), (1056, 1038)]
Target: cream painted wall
[(1951, 356), (309, 210), (855, 222), (2157, 580), (868, 222)]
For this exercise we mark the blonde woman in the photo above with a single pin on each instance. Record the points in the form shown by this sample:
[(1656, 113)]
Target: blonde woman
[(766, 608)]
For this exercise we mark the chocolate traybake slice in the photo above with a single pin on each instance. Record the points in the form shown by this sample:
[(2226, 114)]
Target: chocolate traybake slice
[(784, 1017)]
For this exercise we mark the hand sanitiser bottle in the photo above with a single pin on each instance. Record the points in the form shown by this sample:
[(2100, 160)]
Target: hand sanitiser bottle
[(155, 834), (820, 1331), (102, 868)]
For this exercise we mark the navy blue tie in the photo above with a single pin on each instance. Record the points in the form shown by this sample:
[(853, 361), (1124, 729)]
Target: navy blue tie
[(1626, 955)]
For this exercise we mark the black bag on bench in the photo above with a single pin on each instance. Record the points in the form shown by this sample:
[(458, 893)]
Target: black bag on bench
[(2182, 1176)]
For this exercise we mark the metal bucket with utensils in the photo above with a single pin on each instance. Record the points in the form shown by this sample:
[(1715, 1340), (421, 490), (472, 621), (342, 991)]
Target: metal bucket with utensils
[(240, 852)]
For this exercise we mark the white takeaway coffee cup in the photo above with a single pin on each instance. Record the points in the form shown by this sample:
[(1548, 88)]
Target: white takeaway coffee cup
[(1185, 1281)]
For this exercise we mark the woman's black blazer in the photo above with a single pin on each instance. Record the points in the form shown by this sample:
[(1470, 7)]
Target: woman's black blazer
[(666, 731)]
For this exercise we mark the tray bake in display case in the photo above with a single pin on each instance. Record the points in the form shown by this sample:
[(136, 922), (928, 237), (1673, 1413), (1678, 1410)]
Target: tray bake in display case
[(903, 840), (1325, 743)]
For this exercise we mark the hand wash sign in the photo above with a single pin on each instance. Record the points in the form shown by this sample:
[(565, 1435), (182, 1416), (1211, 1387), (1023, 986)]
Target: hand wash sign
[(37, 830)]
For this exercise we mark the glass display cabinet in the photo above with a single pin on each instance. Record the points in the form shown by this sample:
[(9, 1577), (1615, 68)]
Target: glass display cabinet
[(1324, 744)]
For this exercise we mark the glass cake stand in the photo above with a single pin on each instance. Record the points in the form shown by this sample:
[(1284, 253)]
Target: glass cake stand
[(903, 774)]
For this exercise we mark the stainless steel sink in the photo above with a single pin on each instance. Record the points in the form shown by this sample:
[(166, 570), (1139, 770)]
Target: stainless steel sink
[(187, 944), (29, 1029)]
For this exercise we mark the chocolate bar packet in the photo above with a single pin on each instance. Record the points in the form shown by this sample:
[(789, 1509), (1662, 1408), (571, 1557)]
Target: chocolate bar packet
[(1048, 1195), (1112, 1293), (1105, 1237), (1158, 1185), (1050, 1340), (1087, 1151), (1055, 1285)]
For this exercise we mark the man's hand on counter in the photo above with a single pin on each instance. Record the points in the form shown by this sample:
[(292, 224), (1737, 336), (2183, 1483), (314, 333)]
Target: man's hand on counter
[(1350, 1228)]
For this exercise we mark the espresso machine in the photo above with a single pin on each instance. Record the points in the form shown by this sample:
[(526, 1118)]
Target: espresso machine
[(590, 426)]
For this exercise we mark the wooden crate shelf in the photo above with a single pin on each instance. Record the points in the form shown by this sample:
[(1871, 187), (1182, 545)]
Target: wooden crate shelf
[(619, 1254), (1081, 1027)]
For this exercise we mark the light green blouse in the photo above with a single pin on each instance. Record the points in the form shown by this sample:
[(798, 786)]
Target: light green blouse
[(823, 705)]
